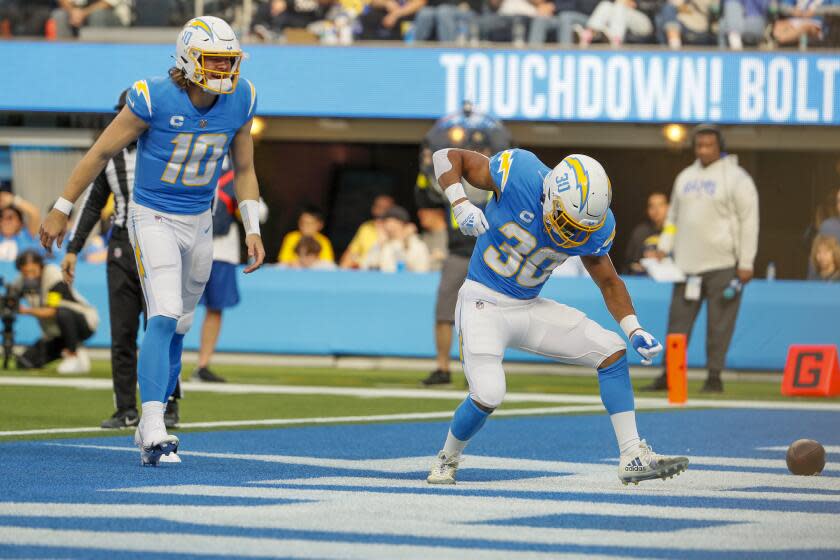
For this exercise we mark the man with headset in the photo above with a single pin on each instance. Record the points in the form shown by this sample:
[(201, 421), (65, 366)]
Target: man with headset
[(712, 230)]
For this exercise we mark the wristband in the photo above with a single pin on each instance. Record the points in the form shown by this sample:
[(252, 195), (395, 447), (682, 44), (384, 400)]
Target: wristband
[(454, 192), (63, 205), (630, 324), (250, 212)]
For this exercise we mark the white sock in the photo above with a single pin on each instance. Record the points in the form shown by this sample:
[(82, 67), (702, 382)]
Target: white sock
[(624, 424), (453, 446), (151, 423)]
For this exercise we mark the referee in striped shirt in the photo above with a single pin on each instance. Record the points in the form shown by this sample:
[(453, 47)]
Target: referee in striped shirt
[(125, 297)]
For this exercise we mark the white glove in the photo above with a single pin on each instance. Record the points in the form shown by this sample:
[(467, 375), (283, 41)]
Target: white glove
[(470, 218), (646, 345)]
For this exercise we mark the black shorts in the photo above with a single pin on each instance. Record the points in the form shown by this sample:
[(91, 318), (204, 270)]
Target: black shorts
[(451, 278)]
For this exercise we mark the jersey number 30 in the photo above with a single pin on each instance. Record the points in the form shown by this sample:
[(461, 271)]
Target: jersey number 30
[(189, 154), (521, 258)]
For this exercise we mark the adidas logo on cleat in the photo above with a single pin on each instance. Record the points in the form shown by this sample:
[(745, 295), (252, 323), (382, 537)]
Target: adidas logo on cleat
[(634, 465)]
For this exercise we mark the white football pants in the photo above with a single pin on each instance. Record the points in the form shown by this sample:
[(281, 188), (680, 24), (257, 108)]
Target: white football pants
[(174, 255), (488, 322)]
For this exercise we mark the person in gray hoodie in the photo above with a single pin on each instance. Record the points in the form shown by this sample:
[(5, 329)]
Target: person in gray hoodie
[(712, 231)]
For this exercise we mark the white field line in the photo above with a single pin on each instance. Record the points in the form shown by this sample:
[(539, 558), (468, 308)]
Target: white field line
[(324, 420), (828, 448), (236, 388)]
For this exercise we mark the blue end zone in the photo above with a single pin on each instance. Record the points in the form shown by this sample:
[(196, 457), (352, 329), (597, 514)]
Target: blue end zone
[(57, 472)]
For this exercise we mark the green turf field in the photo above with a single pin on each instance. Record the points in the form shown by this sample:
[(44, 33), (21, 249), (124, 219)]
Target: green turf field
[(28, 407)]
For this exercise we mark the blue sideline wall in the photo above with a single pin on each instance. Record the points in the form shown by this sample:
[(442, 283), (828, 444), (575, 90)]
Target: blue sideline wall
[(370, 313)]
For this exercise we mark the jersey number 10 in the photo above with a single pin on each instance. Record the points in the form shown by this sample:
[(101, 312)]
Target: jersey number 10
[(189, 155)]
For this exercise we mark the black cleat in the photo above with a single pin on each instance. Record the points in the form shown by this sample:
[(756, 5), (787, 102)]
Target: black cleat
[(171, 416), (658, 384), (204, 375), (127, 418), (438, 377), (712, 385)]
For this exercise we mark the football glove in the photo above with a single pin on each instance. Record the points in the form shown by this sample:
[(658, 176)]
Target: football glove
[(646, 345), (470, 218)]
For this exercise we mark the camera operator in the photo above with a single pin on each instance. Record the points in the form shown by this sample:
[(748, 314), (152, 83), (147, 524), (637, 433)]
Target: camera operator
[(66, 318)]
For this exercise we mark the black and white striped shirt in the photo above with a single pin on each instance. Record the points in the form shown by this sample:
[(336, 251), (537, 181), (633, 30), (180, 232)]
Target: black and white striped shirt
[(116, 178)]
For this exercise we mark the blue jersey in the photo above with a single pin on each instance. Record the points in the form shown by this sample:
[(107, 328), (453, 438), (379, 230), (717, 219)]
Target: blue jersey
[(516, 255), (179, 157)]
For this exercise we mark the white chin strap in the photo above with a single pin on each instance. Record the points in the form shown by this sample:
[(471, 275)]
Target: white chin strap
[(223, 84)]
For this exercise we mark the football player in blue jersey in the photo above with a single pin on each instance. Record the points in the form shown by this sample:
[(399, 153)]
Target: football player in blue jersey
[(537, 219), (184, 125)]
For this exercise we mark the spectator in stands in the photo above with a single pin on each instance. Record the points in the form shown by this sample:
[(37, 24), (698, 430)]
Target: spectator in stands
[(712, 228), (613, 19), (19, 224), (24, 18), (825, 259), (339, 23), (800, 22), (566, 14), (686, 21), (743, 21), (310, 224), (401, 248), (448, 20), (826, 222), (274, 16), (386, 19), (434, 227), (308, 255), (71, 15), (65, 317), (368, 234), (508, 20), (828, 216), (645, 236)]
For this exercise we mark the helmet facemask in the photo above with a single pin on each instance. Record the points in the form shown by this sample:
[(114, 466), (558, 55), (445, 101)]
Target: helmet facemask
[(563, 230), (215, 81)]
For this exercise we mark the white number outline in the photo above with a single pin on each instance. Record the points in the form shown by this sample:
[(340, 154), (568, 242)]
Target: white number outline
[(522, 258), (187, 155)]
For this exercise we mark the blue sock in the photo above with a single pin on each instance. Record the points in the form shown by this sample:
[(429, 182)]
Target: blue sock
[(153, 364), (616, 390), (468, 419), (176, 348)]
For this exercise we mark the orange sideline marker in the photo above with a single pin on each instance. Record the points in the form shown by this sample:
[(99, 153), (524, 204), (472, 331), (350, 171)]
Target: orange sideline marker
[(676, 369)]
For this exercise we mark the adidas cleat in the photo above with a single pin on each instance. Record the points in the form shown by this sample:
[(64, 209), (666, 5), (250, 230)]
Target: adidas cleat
[(151, 451), (644, 464), (443, 470), (171, 458)]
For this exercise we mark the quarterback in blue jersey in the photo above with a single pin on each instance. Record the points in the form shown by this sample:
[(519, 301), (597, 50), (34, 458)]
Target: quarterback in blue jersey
[(184, 125), (537, 219)]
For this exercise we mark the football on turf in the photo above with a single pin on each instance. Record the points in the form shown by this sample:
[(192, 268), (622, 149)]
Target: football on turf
[(806, 457)]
